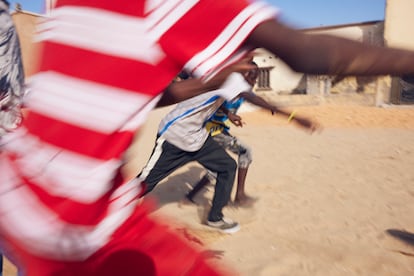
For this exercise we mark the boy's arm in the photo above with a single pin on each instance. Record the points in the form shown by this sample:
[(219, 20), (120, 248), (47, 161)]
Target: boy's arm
[(259, 101), (234, 118), (302, 121), (185, 89), (325, 54), (182, 90)]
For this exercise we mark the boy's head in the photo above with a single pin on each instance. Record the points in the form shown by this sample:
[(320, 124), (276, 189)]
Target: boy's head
[(183, 75), (251, 75)]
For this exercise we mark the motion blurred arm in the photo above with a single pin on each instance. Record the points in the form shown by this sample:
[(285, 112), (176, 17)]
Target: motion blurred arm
[(182, 90), (325, 54)]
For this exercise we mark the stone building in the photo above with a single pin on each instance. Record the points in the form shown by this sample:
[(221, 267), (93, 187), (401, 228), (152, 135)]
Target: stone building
[(25, 23), (399, 33), (277, 79)]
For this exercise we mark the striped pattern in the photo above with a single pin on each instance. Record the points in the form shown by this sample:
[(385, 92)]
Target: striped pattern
[(233, 35), (107, 62), (97, 105)]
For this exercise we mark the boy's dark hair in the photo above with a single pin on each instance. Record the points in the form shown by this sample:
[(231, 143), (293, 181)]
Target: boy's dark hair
[(183, 75)]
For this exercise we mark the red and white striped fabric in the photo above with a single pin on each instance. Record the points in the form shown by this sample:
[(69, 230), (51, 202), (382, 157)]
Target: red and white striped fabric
[(105, 62)]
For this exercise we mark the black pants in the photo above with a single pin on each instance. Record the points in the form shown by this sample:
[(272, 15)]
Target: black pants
[(166, 158)]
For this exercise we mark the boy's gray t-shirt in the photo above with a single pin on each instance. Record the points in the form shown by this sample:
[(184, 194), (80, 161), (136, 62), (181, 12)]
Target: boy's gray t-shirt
[(184, 126)]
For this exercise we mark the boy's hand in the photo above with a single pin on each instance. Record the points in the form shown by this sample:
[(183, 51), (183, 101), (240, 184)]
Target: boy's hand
[(312, 126), (235, 119)]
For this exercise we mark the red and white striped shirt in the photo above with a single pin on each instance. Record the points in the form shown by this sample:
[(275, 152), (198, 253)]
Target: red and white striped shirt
[(104, 65)]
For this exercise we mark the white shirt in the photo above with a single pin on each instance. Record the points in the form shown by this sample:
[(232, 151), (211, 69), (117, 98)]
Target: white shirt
[(184, 126)]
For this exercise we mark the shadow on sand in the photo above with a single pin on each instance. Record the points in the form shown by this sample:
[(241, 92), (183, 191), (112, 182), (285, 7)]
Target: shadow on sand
[(404, 236), (175, 187)]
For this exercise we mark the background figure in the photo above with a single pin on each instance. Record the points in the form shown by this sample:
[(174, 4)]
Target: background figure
[(11, 78), (182, 138), (11, 73), (219, 129)]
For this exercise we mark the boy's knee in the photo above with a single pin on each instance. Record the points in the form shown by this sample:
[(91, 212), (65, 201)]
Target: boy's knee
[(244, 161)]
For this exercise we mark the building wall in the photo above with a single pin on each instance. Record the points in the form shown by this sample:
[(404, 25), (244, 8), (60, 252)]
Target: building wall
[(285, 81), (399, 22), (25, 25), (399, 33), (282, 78)]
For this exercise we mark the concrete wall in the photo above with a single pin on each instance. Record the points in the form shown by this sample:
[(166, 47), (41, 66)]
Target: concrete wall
[(399, 22), (25, 26), (283, 80), (399, 32)]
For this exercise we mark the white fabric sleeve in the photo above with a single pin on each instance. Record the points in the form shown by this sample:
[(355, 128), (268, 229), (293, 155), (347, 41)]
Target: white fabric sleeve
[(233, 86)]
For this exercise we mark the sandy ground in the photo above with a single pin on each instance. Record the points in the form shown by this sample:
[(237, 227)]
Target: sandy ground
[(325, 201)]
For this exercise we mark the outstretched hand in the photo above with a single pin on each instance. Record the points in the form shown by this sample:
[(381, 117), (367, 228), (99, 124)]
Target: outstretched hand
[(235, 119), (310, 125)]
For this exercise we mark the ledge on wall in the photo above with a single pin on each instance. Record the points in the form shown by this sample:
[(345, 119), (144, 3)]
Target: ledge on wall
[(339, 99)]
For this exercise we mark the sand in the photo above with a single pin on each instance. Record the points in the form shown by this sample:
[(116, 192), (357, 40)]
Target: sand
[(325, 201)]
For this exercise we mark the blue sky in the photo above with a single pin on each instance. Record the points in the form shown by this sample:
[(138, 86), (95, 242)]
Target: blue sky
[(298, 13), (36, 6), (315, 13)]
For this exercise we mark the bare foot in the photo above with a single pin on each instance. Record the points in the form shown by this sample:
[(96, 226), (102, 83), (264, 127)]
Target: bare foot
[(245, 201)]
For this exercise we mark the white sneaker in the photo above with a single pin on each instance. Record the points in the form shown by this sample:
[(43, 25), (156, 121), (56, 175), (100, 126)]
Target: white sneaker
[(225, 225)]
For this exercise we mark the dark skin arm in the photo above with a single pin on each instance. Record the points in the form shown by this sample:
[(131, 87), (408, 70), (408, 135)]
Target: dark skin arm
[(306, 123), (308, 53), (182, 90), (234, 118), (329, 55)]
